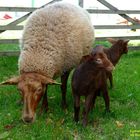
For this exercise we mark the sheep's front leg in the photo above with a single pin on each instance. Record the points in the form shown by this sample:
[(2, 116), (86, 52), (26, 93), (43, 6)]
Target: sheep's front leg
[(76, 107), (64, 79), (88, 103)]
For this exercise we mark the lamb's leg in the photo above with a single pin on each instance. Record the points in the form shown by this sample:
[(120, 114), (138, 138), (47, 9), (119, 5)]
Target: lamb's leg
[(111, 80), (97, 93), (44, 105), (64, 79), (106, 99), (76, 107), (88, 103)]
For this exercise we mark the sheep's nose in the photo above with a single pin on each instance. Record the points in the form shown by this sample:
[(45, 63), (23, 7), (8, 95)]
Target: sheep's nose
[(28, 119)]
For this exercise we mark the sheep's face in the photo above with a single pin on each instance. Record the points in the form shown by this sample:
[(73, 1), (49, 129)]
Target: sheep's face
[(32, 87)]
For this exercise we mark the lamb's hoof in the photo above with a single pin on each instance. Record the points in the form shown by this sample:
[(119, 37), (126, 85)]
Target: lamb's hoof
[(64, 106), (111, 87), (76, 120), (107, 110), (107, 113), (84, 123)]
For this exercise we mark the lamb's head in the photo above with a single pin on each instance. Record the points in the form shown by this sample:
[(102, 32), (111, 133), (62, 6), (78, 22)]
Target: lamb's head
[(121, 44), (100, 59), (31, 87)]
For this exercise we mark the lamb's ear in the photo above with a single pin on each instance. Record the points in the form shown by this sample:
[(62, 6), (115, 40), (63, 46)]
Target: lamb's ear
[(85, 58), (11, 81), (126, 41), (111, 40)]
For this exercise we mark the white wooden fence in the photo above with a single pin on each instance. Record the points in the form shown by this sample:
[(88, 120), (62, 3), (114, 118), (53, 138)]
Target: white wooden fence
[(113, 10)]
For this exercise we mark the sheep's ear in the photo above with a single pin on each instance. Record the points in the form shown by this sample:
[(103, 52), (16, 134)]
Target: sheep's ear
[(47, 80), (111, 40), (11, 81), (51, 81)]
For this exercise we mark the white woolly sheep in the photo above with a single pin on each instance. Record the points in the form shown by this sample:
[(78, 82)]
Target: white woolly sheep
[(54, 40)]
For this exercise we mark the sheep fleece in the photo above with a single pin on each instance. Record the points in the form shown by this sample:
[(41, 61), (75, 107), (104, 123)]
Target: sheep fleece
[(55, 38)]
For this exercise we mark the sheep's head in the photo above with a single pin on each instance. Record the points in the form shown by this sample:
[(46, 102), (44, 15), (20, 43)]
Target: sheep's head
[(31, 87), (121, 44)]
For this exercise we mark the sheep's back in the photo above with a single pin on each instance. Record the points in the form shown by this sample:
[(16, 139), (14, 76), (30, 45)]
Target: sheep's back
[(55, 38)]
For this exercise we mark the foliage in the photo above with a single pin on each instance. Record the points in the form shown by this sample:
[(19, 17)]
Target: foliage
[(5, 47), (58, 124)]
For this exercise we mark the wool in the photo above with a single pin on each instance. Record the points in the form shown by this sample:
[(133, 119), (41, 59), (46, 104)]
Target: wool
[(55, 38)]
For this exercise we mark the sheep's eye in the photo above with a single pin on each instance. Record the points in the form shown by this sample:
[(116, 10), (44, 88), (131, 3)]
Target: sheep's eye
[(38, 90)]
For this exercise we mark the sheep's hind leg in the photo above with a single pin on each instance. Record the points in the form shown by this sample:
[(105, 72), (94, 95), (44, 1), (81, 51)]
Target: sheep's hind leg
[(64, 79)]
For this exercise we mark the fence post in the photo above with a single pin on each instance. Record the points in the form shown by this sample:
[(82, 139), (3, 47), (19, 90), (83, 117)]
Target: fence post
[(81, 2)]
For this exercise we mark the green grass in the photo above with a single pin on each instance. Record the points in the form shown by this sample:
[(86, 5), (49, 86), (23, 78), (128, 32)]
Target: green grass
[(5, 47), (57, 124)]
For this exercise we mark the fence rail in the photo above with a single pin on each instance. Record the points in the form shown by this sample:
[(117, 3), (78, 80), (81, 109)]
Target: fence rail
[(16, 53), (95, 11), (113, 10), (16, 41), (20, 27)]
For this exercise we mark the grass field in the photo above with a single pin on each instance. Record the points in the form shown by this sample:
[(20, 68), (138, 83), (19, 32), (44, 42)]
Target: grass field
[(123, 123)]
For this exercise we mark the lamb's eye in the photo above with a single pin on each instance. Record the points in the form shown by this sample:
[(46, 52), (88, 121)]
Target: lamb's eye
[(101, 55)]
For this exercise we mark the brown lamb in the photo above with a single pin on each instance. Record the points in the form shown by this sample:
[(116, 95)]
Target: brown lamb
[(87, 79), (118, 48)]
